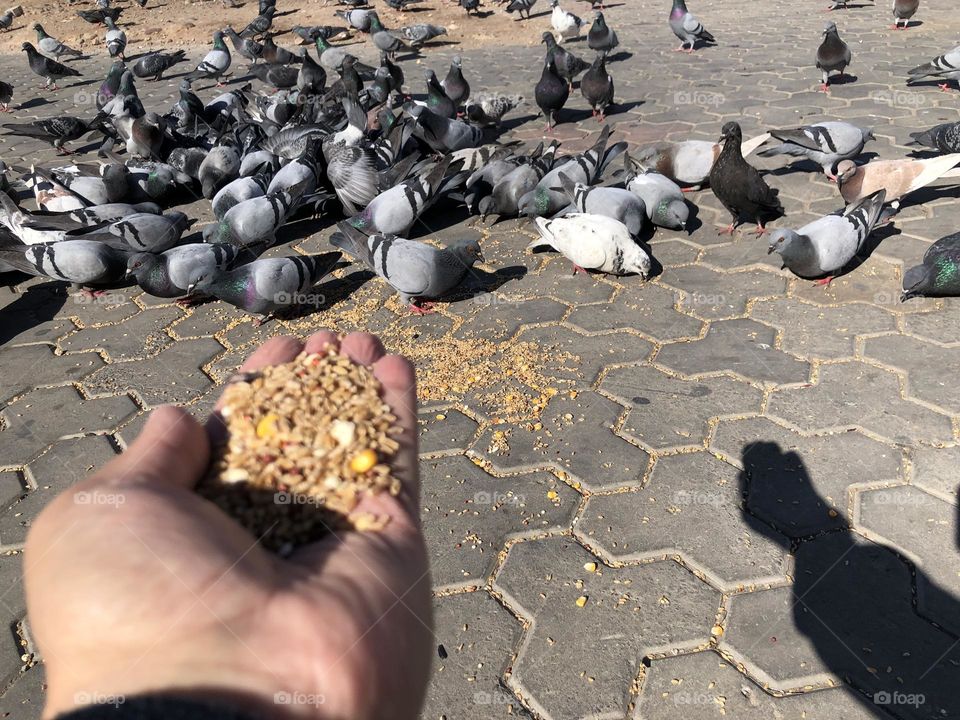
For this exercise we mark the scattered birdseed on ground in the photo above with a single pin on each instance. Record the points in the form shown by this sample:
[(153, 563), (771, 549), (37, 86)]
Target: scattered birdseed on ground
[(307, 439)]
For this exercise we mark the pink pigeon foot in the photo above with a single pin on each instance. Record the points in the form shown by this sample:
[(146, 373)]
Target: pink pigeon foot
[(728, 230), (825, 88), (577, 269), (824, 282), (760, 231), (422, 308)]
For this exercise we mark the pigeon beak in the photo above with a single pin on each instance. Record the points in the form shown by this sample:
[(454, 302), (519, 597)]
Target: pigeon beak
[(480, 257), (769, 250), (190, 288)]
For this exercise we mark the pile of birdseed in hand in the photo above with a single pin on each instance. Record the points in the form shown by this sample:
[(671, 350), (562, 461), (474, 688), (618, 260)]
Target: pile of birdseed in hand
[(307, 440)]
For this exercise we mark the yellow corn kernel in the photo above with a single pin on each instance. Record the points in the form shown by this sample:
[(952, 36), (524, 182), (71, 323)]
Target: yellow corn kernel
[(267, 425), (590, 567), (581, 601), (552, 494), (364, 461)]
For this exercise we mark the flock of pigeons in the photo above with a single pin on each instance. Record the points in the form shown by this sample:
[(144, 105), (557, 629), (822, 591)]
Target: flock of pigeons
[(332, 135)]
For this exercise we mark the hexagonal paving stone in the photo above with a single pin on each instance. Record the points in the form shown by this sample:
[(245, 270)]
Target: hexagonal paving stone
[(874, 282), (669, 412), (849, 614), (556, 280), (926, 528), (41, 417), (813, 331), (931, 369), (742, 347), (649, 310), (702, 686), (935, 470), (140, 336), (799, 484), (445, 430), (478, 636), (576, 436), (29, 366), (581, 661), (711, 295), (502, 320), (943, 327), (685, 492), (172, 376), (469, 514), (851, 394)]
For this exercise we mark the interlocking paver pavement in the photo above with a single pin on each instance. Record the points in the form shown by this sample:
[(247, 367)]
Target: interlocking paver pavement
[(751, 480)]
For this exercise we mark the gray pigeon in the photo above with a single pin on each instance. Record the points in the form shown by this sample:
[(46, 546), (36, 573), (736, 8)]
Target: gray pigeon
[(47, 68), (267, 286), (825, 143), (614, 203), (826, 245), (215, 63), (255, 221), (51, 47), (903, 10), (504, 198), (143, 232), (945, 138), (418, 34), (946, 66), (394, 211), (546, 200), (687, 28), (238, 190), (443, 134), (220, 166), (414, 269), (833, 55), (116, 39), (661, 196), (386, 42), (155, 64), (167, 275), (245, 47), (89, 217), (601, 37), (83, 262), (489, 108)]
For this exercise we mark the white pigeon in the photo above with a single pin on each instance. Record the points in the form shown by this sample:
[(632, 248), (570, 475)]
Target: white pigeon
[(566, 24), (593, 242), (826, 245)]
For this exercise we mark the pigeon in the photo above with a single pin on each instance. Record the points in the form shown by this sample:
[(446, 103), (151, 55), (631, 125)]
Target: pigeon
[(825, 143), (688, 162), (155, 64), (96, 17), (254, 222), (215, 63), (585, 168), (506, 194), (142, 136), (385, 41), (551, 93), (116, 39), (56, 130), (51, 47), (273, 53), (311, 77), (111, 84), (88, 217), (443, 134), (421, 33), (278, 76), (945, 138), (520, 7), (331, 58), (260, 24), (267, 286), (143, 232), (245, 47), (662, 197), (394, 211), (454, 84), (601, 38), (489, 108), (167, 274), (826, 245), (414, 269), (437, 100), (401, 5), (220, 166), (898, 177), (82, 262), (903, 10), (946, 66), (6, 20), (567, 64), (738, 185), (833, 55), (357, 19), (238, 190), (686, 27), (593, 242), (310, 33), (469, 5), (615, 203), (565, 24), (938, 275), (597, 87), (47, 68), (6, 95)]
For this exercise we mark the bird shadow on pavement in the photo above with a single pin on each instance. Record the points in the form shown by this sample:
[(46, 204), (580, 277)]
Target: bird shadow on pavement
[(873, 241), (809, 166), (479, 284), (515, 122), (933, 82), (334, 291), (843, 79), (852, 599), (37, 305), (620, 56), (35, 103)]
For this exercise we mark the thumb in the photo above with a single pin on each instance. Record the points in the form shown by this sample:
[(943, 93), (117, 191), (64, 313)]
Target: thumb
[(172, 448)]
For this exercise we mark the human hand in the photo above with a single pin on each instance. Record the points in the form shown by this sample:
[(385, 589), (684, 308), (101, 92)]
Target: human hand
[(137, 585)]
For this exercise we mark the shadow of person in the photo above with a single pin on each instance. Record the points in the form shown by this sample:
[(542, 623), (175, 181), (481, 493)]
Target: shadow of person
[(852, 598)]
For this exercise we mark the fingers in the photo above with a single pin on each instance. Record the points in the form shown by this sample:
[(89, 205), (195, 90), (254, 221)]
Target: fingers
[(170, 449)]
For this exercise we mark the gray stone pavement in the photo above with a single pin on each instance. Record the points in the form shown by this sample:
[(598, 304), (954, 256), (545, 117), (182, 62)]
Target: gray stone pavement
[(722, 492)]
